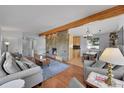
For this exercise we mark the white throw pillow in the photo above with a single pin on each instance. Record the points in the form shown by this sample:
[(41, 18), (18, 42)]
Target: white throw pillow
[(9, 67), (2, 73), (1, 58), (28, 64)]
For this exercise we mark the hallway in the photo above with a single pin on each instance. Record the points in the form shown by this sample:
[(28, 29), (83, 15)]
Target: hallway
[(76, 61)]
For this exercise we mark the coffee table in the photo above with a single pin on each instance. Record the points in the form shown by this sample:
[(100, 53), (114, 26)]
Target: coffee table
[(42, 62), (45, 61), (97, 80)]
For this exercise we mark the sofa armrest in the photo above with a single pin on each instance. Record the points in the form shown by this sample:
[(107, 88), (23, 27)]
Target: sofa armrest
[(88, 62), (90, 69), (21, 74), (74, 83)]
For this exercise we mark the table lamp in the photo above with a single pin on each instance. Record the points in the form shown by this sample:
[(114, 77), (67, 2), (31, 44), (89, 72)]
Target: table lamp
[(111, 56)]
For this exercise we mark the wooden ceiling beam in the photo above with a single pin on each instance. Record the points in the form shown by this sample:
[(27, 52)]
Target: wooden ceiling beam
[(114, 11)]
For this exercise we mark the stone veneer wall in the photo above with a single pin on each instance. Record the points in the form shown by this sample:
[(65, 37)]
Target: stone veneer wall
[(61, 43)]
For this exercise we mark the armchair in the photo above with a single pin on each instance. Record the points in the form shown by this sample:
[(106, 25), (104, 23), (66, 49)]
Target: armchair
[(117, 72)]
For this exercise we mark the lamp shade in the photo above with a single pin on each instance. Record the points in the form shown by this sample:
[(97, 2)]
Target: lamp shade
[(113, 56), (6, 43)]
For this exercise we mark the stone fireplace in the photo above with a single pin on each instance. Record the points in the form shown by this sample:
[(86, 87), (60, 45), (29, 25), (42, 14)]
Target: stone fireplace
[(59, 45)]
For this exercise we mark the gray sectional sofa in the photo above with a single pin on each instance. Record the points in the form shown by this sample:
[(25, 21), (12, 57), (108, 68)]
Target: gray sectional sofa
[(32, 75), (89, 66)]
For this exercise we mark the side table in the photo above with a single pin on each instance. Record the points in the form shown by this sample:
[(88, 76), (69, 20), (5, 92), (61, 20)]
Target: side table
[(95, 83)]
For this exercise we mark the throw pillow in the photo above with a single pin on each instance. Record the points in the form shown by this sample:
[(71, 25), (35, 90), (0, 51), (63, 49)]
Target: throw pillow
[(9, 67), (15, 65), (113, 66), (106, 66), (2, 65), (2, 60), (98, 64), (28, 64), (21, 65), (116, 67)]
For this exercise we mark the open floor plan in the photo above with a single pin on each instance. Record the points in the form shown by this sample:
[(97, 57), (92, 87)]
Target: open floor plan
[(62, 46)]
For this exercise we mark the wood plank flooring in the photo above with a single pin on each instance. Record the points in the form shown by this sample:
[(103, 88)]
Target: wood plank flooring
[(76, 61), (62, 79)]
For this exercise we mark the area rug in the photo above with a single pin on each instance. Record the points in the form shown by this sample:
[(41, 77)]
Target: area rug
[(53, 69)]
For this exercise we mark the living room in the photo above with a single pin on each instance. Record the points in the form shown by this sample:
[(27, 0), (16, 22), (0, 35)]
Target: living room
[(65, 48)]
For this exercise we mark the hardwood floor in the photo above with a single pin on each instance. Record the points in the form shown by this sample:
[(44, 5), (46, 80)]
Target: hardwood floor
[(76, 61), (62, 79)]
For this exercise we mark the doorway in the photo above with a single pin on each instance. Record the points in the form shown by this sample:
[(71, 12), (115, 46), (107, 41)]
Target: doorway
[(76, 47), (74, 51)]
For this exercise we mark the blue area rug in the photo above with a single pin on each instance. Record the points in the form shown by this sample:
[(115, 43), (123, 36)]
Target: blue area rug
[(53, 69)]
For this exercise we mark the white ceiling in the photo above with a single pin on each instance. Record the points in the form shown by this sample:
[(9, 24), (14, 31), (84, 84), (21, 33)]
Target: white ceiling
[(106, 26), (42, 18)]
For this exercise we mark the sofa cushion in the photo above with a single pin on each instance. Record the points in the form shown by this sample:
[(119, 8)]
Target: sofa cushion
[(98, 64)]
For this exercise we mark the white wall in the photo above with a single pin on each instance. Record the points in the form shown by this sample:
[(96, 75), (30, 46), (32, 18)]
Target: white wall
[(104, 41), (39, 43), (19, 44), (40, 46), (83, 45), (15, 39)]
